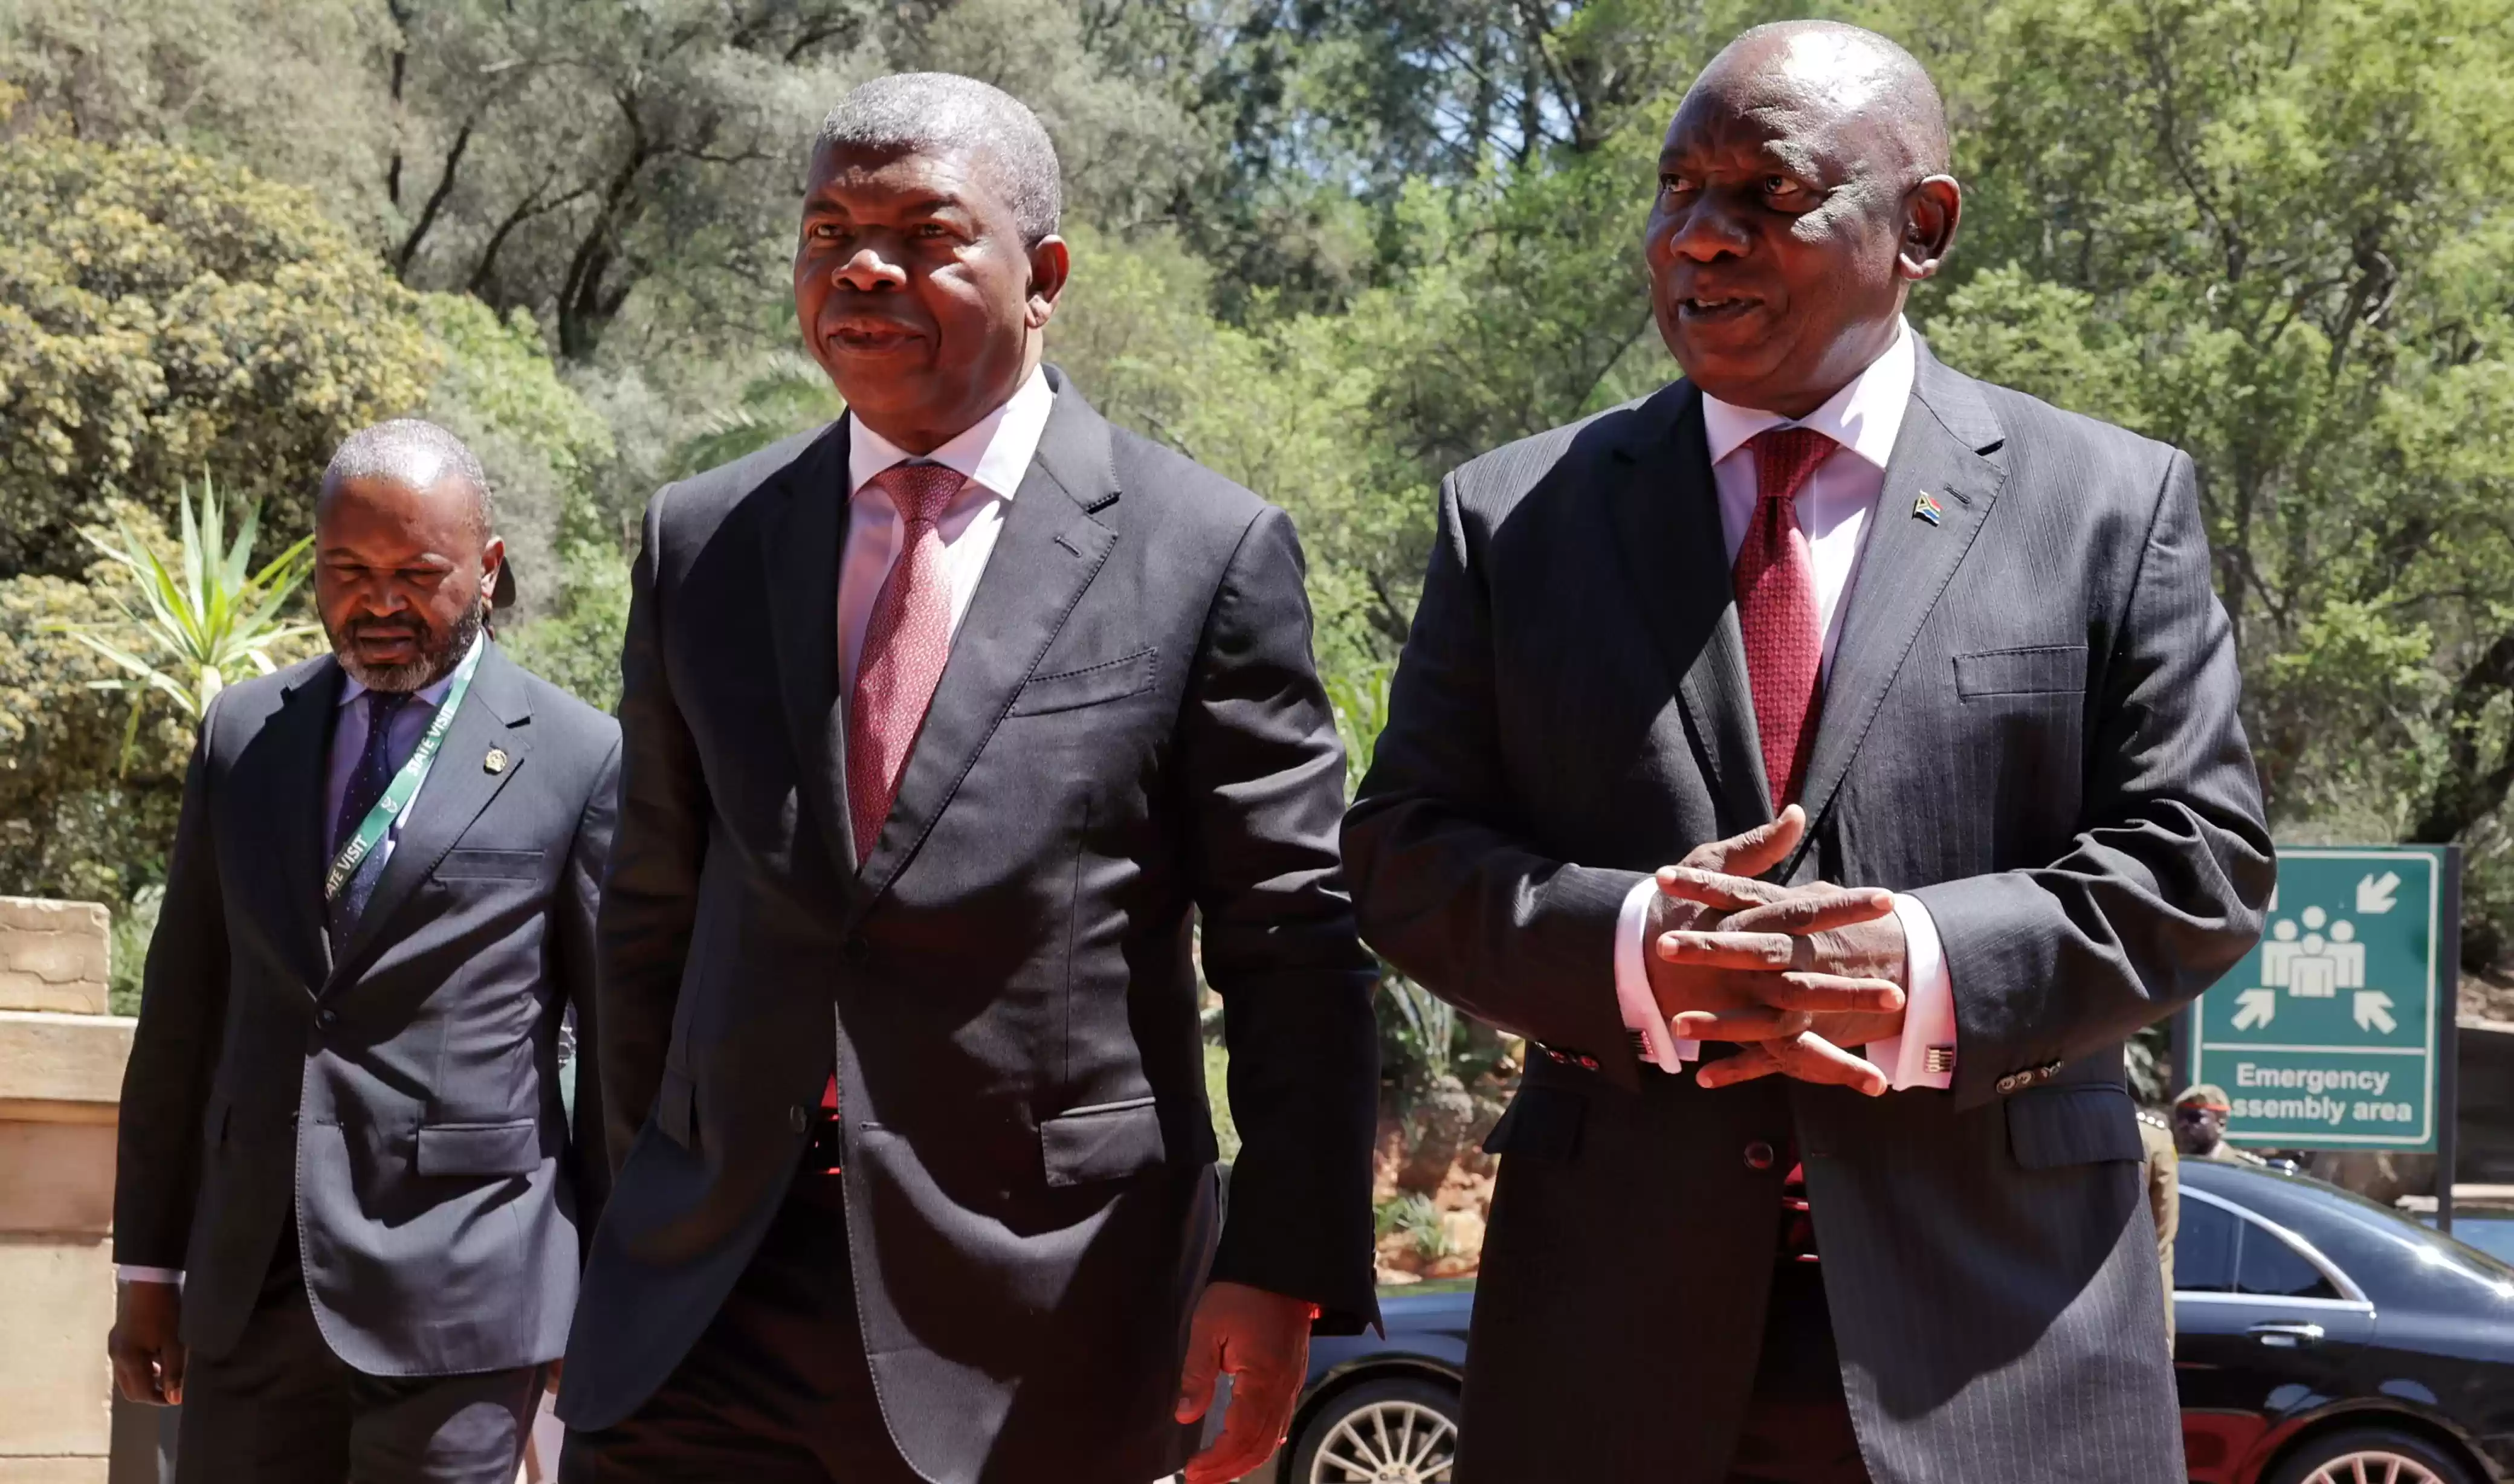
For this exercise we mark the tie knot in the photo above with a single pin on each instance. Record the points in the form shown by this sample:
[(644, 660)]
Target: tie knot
[(1784, 457), (383, 706), (920, 491)]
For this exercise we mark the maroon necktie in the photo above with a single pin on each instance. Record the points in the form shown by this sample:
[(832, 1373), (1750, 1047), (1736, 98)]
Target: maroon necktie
[(1776, 612), (907, 637)]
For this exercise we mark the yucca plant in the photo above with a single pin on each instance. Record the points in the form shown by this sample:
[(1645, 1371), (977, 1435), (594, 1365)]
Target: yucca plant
[(209, 622)]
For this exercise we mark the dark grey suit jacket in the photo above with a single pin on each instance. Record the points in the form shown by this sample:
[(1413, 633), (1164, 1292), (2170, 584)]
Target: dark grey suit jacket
[(404, 1097), (2031, 724), (1129, 737)]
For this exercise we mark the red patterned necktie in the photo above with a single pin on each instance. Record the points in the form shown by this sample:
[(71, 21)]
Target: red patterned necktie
[(1775, 587), (907, 637)]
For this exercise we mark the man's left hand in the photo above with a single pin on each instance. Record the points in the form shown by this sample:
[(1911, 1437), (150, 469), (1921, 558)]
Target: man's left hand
[(1773, 936), (1262, 1341)]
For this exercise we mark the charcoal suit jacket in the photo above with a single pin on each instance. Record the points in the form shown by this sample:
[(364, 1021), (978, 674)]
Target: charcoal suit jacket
[(1128, 739), (2030, 724), (400, 1097)]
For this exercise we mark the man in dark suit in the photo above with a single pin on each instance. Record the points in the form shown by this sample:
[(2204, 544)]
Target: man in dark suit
[(947, 726), (348, 1202), (1824, 611)]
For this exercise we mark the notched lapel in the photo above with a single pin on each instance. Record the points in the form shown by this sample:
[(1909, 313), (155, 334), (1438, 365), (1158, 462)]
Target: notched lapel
[(1947, 433), (458, 787), (1666, 512), (1048, 552), (801, 543), (285, 766)]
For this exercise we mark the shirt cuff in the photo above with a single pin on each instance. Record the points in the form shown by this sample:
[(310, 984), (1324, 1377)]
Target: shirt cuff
[(1653, 1040), (1925, 1054), (133, 1273)]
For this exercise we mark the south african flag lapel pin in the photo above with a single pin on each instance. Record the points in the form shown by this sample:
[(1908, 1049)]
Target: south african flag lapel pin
[(1925, 507)]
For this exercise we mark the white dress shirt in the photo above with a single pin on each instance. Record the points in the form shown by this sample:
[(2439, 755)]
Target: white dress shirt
[(995, 453), (349, 740), (1835, 507)]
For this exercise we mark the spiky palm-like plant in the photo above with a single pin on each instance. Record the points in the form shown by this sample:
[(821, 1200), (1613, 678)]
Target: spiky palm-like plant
[(204, 623)]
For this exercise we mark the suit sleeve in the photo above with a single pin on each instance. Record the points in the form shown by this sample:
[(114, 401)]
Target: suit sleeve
[(579, 904), (2162, 889), (650, 892), (1263, 773), (1446, 880), (183, 1009)]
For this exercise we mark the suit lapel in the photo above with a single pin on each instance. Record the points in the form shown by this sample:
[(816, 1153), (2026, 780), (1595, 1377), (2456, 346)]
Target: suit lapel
[(287, 767), (459, 787), (801, 543), (1666, 514), (1046, 554), (1907, 561)]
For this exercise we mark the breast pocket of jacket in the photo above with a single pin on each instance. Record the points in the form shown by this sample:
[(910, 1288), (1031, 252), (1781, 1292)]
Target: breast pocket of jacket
[(1090, 686), (467, 864), (2048, 671)]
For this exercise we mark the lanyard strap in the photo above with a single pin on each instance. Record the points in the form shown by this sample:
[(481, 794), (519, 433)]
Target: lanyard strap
[(405, 785)]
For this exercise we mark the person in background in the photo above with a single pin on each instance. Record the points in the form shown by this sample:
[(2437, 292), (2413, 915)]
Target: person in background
[(2200, 1117), (350, 1208), (951, 726), (2163, 1202)]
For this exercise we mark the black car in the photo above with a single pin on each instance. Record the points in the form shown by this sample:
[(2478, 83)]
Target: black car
[(2320, 1338)]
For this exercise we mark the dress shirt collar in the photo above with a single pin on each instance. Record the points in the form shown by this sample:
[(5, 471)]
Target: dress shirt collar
[(996, 451), (1863, 417), (433, 694)]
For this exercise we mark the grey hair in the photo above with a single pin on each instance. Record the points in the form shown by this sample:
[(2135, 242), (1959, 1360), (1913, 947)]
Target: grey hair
[(937, 113), (415, 454)]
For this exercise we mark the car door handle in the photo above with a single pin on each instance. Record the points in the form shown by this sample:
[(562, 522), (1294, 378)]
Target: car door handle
[(2286, 1334)]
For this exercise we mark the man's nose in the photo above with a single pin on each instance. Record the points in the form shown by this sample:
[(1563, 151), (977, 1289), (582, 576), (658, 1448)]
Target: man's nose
[(1710, 230), (868, 272)]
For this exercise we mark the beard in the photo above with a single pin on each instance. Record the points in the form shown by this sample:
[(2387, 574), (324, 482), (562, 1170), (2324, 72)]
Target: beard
[(438, 662)]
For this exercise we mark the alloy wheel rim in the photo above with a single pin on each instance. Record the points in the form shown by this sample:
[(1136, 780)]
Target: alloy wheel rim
[(2373, 1465), (1393, 1442)]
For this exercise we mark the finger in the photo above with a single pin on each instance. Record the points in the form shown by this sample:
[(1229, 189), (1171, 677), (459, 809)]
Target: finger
[(132, 1375), (1824, 993), (1195, 1381), (1770, 952), (1740, 1024), (1806, 1057), (1717, 890), (1756, 850), (170, 1361), (1250, 1430), (1752, 1061), (1813, 912)]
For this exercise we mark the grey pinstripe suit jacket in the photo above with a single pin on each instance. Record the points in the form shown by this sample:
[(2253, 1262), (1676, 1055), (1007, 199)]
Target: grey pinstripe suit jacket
[(2031, 724)]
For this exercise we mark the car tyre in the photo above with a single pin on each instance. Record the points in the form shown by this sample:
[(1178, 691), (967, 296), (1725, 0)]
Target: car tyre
[(1400, 1429), (2371, 1456)]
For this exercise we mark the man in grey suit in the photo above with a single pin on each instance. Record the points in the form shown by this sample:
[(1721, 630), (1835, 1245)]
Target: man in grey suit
[(946, 727), (1824, 611), (349, 1206)]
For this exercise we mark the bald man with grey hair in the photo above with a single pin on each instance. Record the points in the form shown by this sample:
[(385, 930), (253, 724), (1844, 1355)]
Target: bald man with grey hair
[(350, 1201), (1827, 762)]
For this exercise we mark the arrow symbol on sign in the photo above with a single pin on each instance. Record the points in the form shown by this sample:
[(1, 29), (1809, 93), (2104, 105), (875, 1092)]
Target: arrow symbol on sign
[(2256, 1007), (2375, 1010), (2374, 893)]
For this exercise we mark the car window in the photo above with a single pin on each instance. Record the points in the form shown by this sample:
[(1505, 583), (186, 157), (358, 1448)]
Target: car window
[(2268, 1267), (2204, 1250)]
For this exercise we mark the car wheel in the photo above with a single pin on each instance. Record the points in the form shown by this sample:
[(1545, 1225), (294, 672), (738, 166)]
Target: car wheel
[(1398, 1430), (2371, 1456)]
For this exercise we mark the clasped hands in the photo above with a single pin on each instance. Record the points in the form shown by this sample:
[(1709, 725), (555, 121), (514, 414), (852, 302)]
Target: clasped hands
[(1793, 975)]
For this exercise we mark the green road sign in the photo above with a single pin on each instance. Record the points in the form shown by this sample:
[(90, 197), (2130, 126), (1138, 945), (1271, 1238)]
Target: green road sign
[(2325, 1037)]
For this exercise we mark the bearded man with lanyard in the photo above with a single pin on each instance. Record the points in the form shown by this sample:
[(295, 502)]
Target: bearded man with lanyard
[(350, 1199)]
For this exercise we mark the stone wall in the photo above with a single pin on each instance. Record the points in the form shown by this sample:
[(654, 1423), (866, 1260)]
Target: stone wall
[(60, 1085)]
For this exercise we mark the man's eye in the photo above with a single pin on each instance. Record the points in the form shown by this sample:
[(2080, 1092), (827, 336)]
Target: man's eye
[(1669, 184), (1778, 186)]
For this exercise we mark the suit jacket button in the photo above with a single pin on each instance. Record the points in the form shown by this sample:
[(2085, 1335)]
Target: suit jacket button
[(1590, 1063), (797, 1119), (1759, 1155), (856, 950), (2008, 1084), (327, 1019)]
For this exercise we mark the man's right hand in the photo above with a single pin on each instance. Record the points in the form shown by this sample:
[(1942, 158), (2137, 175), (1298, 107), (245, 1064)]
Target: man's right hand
[(148, 1356), (1773, 1009)]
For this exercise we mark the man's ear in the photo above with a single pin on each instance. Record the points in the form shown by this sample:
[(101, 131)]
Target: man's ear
[(493, 576), (1931, 211), (1050, 264)]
